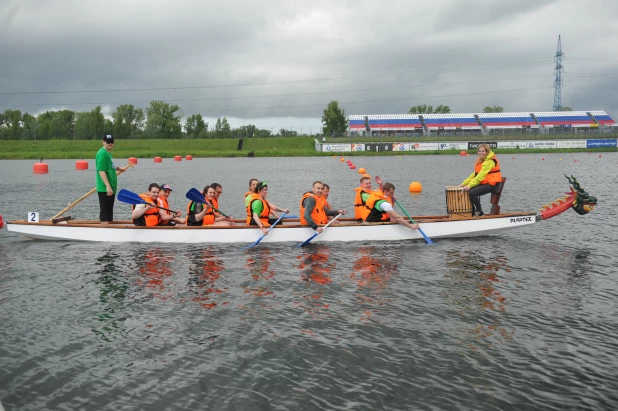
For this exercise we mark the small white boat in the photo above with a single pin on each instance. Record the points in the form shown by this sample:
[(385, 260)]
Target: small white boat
[(453, 225)]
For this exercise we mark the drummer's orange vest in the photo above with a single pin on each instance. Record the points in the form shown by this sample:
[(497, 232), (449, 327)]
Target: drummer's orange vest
[(318, 214), (151, 217), (265, 211), (494, 176), (376, 214), (361, 211)]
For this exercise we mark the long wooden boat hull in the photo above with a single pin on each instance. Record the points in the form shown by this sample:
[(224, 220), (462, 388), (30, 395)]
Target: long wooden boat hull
[(119, 232)]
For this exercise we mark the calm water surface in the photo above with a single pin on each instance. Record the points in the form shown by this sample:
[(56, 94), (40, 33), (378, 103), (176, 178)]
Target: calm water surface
[(521, 320)]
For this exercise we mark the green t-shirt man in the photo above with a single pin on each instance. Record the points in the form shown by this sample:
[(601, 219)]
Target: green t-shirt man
[(105, 163)]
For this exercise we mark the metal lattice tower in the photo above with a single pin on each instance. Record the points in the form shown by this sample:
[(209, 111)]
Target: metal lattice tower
[(558, 81)]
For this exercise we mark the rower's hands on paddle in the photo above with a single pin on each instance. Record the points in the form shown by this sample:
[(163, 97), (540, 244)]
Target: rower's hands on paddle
[(178, 213), (319, 230), (264, 230)]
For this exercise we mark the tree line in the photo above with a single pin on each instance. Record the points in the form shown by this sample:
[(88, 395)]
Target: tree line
[(160, 120)]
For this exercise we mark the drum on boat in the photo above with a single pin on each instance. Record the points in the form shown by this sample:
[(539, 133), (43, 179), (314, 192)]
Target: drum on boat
[(458, 204)]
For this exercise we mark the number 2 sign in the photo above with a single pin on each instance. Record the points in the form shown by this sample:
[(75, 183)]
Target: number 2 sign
[(33, 217)]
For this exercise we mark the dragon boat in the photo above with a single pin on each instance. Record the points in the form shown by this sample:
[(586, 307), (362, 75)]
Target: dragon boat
[(453, 225)]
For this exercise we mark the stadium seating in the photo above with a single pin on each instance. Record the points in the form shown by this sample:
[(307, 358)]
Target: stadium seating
[(506, 120), (397, 121), (564, 118), (603, 118), (450, 121)]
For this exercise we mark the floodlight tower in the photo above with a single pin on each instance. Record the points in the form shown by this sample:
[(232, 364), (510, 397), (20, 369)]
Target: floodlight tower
[(558, 81)]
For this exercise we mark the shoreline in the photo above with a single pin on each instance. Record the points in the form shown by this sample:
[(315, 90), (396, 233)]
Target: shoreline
[(267, 147)]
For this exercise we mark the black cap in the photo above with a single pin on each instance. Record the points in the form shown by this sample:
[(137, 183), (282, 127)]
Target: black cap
[(108, 138)]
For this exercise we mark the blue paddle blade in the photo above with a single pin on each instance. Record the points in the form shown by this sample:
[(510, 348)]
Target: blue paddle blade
[(129, 197), (195, 196), (307, 241), (427, 239)]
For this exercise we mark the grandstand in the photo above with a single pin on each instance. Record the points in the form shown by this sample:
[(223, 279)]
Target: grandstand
[(590, 122)]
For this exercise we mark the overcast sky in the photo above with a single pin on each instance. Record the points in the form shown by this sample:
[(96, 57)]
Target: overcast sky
[(278, 63)]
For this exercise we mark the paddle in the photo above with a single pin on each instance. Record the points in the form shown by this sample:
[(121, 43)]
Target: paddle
[(427, 239), (197, 197), (127, 196), (87, 194), (307, 241), (264, 235)]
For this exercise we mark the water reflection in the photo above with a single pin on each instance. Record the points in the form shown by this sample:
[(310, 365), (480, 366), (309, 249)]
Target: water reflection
[(473, 282), (113, 286), (259, 265), (372, 271), (315, 270), (5, 266), (206, 268), (154, 272)]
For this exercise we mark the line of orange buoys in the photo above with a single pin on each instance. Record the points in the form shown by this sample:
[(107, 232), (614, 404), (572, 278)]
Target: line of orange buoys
[(82, 165), (415, 186)]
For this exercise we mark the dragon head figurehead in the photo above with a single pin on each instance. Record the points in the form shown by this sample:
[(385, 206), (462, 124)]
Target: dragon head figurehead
[(577, 199), (583, 202)]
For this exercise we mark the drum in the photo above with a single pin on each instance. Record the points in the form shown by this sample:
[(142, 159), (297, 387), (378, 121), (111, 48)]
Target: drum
[(458, 204)]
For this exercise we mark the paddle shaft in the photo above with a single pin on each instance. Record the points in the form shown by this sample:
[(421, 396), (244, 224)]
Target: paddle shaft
[(307, 241), (268, 231), (79, 200), (427, 239)]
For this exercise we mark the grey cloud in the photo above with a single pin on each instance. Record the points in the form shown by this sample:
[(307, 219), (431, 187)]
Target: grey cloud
[(436, 53)]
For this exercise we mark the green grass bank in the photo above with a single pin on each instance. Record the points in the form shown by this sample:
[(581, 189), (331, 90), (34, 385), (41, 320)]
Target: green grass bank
[(261, 147)]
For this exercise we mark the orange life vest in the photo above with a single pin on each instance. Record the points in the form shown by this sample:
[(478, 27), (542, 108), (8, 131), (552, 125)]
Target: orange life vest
[(248, 206), (318, 214), (209, 217), (163, 203), (265, 211), (376, 214), (361, 211), (151, 217), (215, 204), (326, 203), (494, 176)]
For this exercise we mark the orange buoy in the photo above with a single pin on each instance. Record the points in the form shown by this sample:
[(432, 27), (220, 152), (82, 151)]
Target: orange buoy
[(81, 164), (334, 156), (352, 167), (189, 157), (133, 160), (543, 158), (158, 159), (463, 153), (177, 158), (342, 159), (415, 187), (600, 156), (40, 168), (361, 170)]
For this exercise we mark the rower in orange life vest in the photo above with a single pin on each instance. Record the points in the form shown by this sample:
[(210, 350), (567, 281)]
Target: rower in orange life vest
[(163, 199), (380, 204), (199, 214), (361, 211), (260, 209), (149, 214), (313, 210), (252, 183), (485, 178), (325, 194), (215, 203)]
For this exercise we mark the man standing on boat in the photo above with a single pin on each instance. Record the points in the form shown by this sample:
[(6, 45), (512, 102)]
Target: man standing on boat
[(380, 204), (107, 182), (313, 210)]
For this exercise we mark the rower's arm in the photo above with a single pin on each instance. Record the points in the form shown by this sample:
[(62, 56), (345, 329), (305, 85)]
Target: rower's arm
[(394, 216), (139, 211)]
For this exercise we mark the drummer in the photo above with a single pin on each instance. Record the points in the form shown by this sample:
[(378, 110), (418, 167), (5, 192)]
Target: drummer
[(485, 178)]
